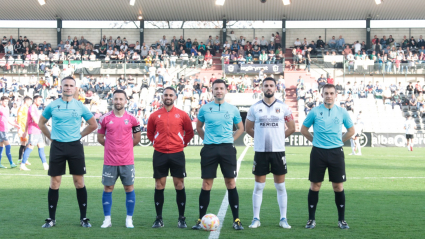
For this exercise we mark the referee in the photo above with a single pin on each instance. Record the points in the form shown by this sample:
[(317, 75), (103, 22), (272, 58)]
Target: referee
[(219, 117), (327, 152), (66, 114), (171, 130)]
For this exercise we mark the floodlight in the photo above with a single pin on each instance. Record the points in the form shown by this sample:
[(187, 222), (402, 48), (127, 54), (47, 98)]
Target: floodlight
[(378, 2), (42, 2), (286, 2), (140, 17), (219, 2), (132, 2)]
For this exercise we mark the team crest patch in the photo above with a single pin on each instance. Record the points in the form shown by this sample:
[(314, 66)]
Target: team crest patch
[(227, 115), (277, 110), (177, 115), (126, 121), (336, 120), (261, 110)]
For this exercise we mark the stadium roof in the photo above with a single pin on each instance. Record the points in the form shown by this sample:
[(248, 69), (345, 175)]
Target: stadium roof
[(206, 10)]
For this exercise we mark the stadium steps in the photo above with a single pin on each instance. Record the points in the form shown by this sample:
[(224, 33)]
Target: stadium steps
[(291, 101)]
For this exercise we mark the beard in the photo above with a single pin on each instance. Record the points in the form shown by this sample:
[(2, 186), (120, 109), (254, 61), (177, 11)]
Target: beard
[(268, 95), (168, 102), (118, 106)]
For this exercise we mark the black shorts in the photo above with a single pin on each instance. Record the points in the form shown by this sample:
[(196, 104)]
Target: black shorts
[(266, 162), (174, 162), (409, 136), (60, 152), (214, 154), (333, 159)]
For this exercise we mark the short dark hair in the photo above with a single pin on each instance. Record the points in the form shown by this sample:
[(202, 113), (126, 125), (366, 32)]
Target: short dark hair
[(27, 98), (218, 81), (4, 98), (120, 91), (68, 78), (170, 88), (328, 86), (271, 79), (36, 97)]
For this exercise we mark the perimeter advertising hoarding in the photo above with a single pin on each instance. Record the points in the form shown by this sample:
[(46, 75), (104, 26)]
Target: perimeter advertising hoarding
[(296, 139), (396, 140), (253, 68)]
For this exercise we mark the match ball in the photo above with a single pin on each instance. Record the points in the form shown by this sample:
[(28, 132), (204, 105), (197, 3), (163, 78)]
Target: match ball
[(210, 222)]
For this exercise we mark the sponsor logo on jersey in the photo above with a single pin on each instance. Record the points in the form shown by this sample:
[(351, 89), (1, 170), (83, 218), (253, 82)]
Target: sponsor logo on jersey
[(211, 109), (110, 122), (269, 124)]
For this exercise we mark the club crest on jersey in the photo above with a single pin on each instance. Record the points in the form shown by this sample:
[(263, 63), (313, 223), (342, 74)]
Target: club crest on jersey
[(261, 110), (336, 120), (211, 109), (227, 115), (177, 115), (126, 121), (159, 116), (277, 110)]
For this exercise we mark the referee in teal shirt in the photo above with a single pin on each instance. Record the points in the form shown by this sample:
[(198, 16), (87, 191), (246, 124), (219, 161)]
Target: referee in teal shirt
[(219, 118), (327, 120), (66, 114)]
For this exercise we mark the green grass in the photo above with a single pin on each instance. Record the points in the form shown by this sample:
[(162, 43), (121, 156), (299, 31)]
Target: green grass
[(381, 201)]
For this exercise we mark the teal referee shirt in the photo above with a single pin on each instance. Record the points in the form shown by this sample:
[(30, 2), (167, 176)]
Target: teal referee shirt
[(219, 120), (327, 125), (66, 119)]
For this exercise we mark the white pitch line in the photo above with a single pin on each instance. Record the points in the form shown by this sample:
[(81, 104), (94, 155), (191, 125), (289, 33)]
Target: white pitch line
[(225, 203), (87, 176)]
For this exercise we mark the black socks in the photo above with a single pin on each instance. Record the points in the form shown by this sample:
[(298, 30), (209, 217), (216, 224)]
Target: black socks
[(204, 201), (340, 204), (181, 201), (159, 202), (234, 202), (52, 198), (313, 199), (82, 201)]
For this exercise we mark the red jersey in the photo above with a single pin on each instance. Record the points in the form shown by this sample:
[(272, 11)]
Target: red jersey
[(170, 131)]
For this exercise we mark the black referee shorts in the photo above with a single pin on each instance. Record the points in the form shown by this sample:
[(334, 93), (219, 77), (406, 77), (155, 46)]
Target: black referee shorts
[(214, 154), (333, 159), (175, 163), (61, 152)]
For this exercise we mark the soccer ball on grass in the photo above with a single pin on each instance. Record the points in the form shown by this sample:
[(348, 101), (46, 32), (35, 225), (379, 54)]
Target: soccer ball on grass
[(210, 222)]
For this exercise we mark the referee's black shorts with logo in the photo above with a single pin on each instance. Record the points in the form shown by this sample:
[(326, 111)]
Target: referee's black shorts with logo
[(333, 159), (173, 162), (62, 152), (214, 154)]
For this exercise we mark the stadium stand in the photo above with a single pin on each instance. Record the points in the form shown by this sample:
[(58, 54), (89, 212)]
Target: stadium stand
[(190, 67)]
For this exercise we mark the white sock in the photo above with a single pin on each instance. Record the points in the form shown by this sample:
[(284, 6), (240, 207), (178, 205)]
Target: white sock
[(282, 198), (359, 149), (107, 218), (352, 146), (257, 198), (129, 217)]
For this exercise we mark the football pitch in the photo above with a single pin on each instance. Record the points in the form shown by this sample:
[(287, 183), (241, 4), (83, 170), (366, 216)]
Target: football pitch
[(384, 199)]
